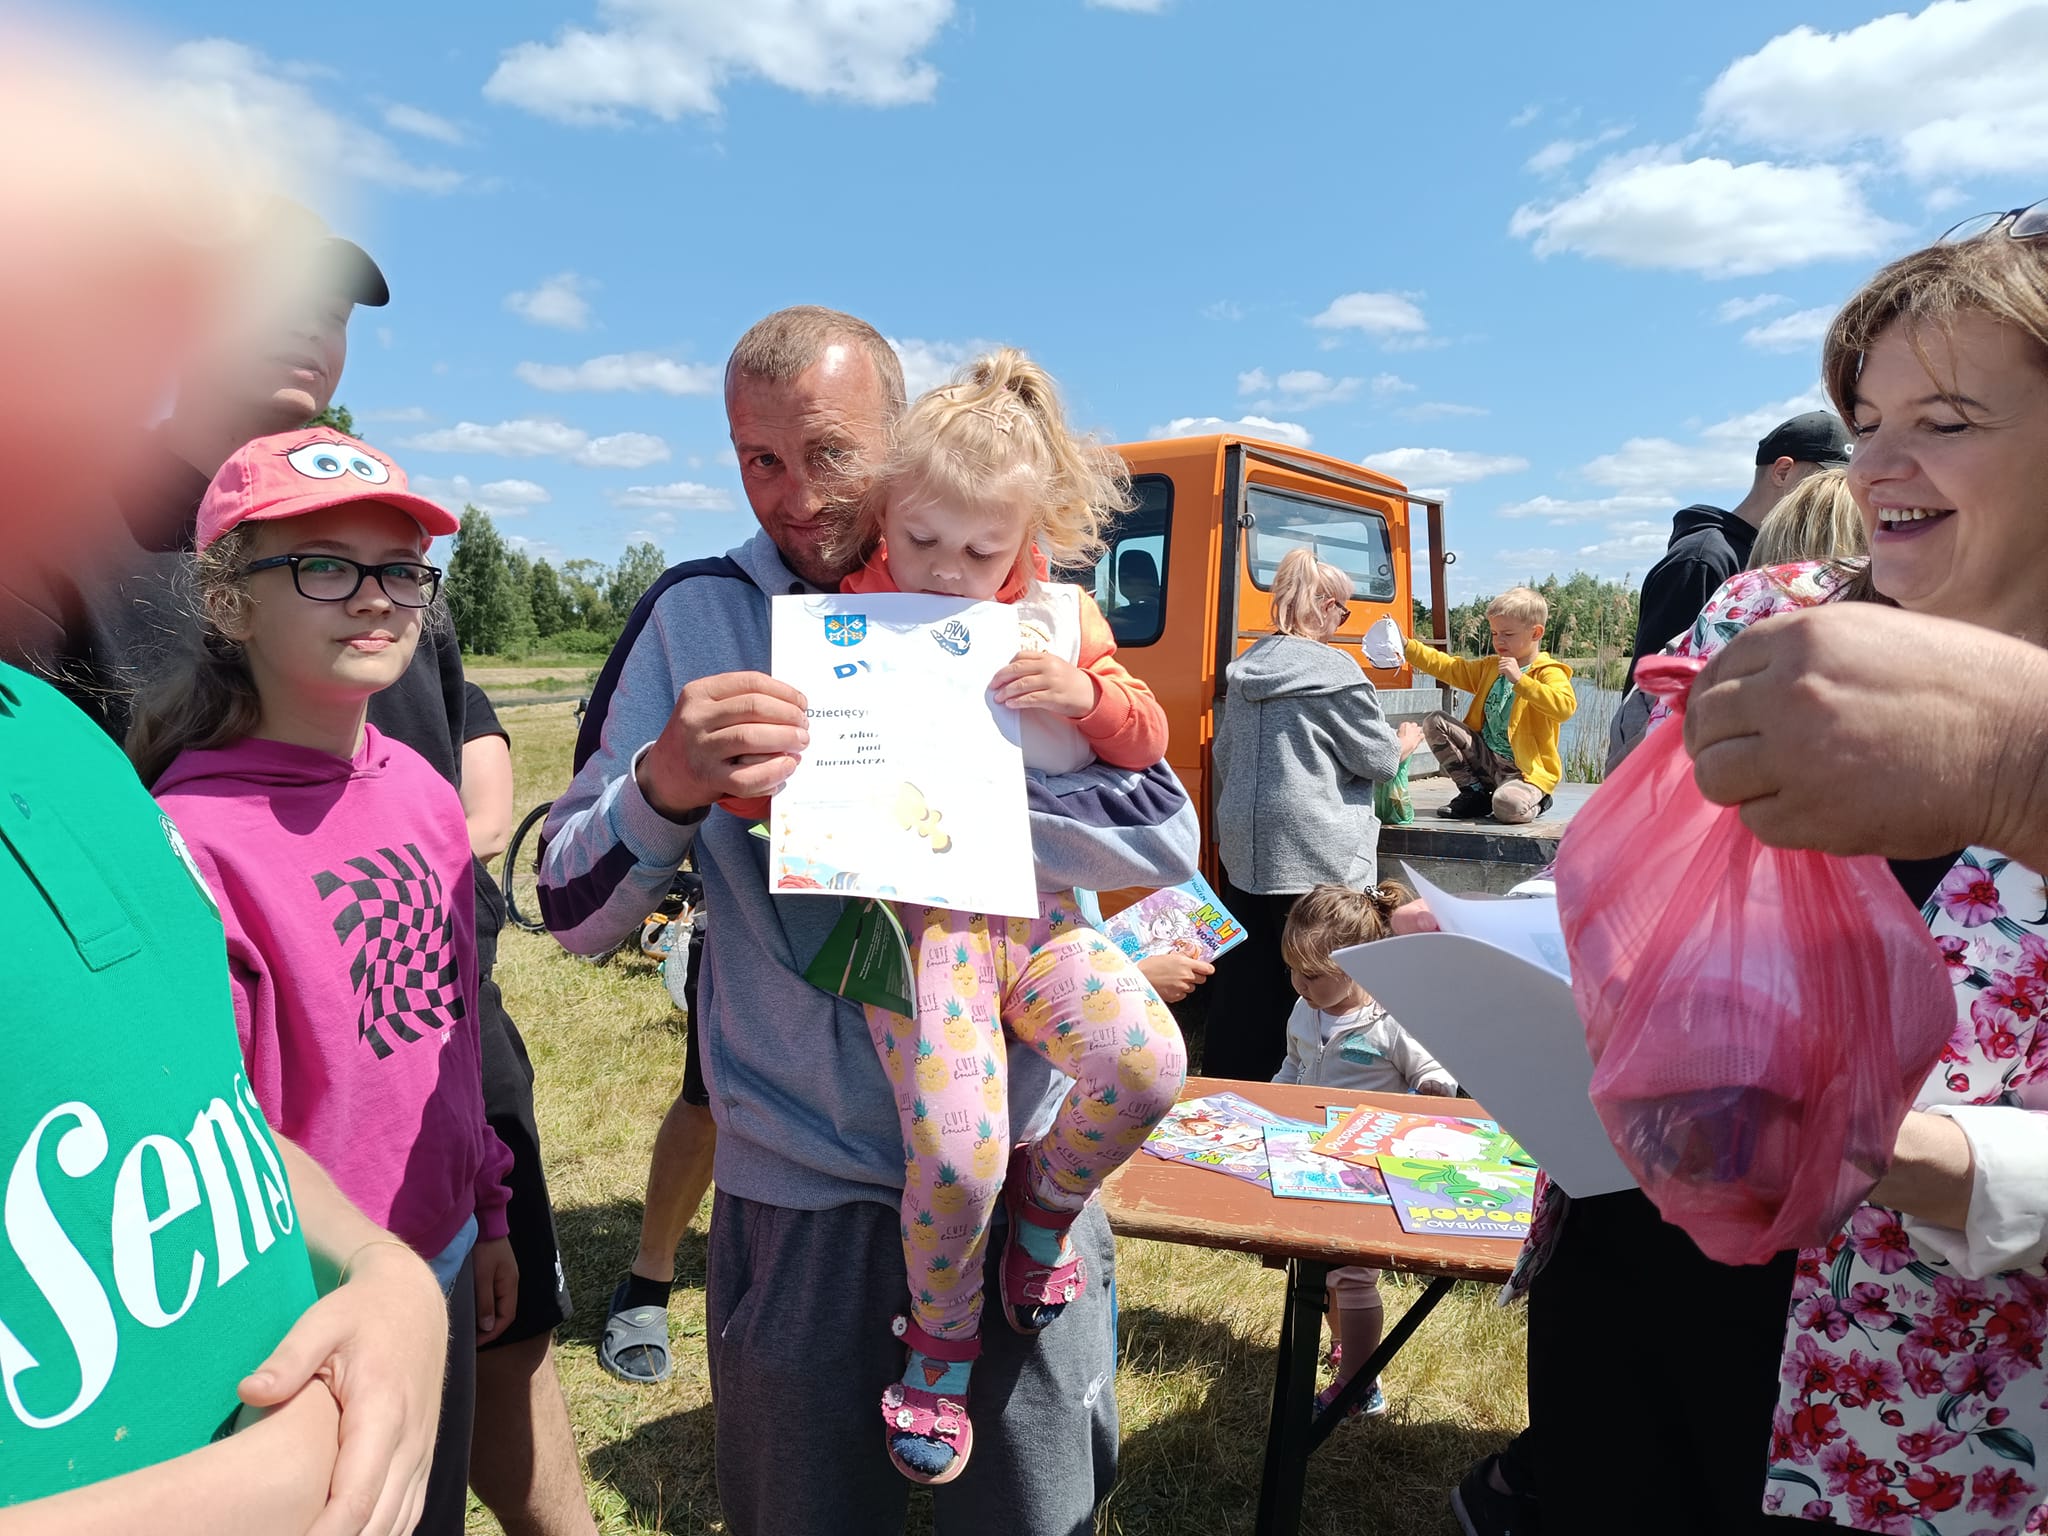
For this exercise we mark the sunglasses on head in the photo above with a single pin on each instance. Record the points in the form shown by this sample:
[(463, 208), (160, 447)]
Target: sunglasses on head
[(2028, 223)]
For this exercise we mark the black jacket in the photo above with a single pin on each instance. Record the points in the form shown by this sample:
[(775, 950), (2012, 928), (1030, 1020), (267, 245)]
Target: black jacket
[(1707, 547)]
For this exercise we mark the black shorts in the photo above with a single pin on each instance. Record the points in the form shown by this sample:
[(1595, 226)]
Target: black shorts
[(694, 1091), (530, 1218)]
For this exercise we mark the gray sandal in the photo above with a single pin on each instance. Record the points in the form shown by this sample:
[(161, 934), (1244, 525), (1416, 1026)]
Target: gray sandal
[(635, 1337)]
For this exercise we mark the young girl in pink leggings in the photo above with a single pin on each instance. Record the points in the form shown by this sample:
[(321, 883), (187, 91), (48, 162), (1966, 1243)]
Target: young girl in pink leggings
[(984, 487)]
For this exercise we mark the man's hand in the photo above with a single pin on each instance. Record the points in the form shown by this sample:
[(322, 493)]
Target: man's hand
[(1856, 728), (1511, 669), (379, 1344), (1174, 976), (1039, 680), (497, 1288), (736, 734)]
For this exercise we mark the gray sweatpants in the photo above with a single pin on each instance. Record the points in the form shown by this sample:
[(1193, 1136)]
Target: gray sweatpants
[(798, 1306)]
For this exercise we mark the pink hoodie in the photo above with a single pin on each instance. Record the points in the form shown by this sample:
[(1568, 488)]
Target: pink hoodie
[(351, 924)]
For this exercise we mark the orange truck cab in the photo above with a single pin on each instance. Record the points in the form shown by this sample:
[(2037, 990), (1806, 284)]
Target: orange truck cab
[(1187, 580)]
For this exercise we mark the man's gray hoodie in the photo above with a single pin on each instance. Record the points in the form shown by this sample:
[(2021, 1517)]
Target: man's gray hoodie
[(1300, 747), (806, 1118)]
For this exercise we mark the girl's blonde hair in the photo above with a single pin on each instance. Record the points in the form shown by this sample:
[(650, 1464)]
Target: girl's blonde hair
[(996, 430), (1817, 521), (1334, 917), (1302, 587), (1992, 275), (203, 695)]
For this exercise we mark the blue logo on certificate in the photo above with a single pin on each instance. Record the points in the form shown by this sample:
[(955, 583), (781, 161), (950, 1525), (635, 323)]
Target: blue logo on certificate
[(952, 637), (847, 629)]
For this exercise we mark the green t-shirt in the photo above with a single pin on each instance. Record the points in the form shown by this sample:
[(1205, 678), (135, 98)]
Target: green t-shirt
[(1500, 703), (150, 1255)]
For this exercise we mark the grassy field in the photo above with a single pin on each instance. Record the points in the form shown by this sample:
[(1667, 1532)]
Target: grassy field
[(1198, 1328)]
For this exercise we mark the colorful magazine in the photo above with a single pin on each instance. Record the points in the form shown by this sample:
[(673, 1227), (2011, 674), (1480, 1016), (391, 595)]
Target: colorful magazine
[(1367, 1134), (1223, 1131), (1299, 1172), (1461, 1199), (1185, 919)]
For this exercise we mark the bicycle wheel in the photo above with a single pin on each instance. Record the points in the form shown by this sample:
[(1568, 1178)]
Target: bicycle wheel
[(520, 877)]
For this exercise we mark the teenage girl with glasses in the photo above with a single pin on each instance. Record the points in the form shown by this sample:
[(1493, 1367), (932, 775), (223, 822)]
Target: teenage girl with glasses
[(340, 863)]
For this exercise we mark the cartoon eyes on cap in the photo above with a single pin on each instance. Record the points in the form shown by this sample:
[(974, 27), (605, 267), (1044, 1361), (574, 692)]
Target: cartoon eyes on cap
[(330, 461)]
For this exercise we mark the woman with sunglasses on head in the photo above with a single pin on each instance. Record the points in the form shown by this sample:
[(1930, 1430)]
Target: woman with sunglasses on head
[(1891, 1379), (1300, 743), (340, 861)]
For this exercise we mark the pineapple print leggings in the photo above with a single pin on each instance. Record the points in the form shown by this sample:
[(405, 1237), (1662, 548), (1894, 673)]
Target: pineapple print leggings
[(1059, 987)]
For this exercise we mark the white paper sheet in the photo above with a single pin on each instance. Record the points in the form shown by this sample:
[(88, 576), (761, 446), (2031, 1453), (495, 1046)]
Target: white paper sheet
[(913, 784), (1506, 1028), (1525, 926)]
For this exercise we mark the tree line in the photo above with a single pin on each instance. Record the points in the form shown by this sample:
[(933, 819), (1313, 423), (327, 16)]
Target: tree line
[(506, 603)]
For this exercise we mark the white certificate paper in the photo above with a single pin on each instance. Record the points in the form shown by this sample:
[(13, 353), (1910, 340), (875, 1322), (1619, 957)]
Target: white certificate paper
[(913, 784)]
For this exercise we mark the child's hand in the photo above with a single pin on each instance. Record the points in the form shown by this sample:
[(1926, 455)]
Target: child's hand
[(497, 1288), (1174, 976), (1511, 669), (1036, 680)]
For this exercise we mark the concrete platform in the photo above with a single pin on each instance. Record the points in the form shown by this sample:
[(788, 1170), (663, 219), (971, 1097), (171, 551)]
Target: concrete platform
[(1475, 855)]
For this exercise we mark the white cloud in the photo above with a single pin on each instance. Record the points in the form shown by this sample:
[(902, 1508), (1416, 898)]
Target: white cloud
[(928, 364), (1723, 458), (1299, 389), (1436, 410), (1630, 547), (1387, 385), (528, 438), (685, 495), (500, 498), (1601, 509), (1526, 116), (645, 536), (1292, 433), (1732, 310), (1377, 314), (669, 58), (421, 124), (1649, 209), (636, 372), (395, 413), (1443, 466), (561, 301), (1223, 309), (1559, 153), (1796, 332), (1954, 90), (249, 98)]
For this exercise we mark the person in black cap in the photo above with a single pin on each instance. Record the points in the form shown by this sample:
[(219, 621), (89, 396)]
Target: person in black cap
[(1709, 545)]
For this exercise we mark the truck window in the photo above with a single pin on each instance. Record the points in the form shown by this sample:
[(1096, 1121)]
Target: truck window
[(1354, 539), (1128, 582)]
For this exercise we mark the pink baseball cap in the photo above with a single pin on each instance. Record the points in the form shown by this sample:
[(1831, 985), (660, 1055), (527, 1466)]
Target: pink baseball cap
[(293, 473)]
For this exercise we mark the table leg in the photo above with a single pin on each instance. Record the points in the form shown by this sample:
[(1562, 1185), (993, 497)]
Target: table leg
[(1381, 1358), (1294, 1391)]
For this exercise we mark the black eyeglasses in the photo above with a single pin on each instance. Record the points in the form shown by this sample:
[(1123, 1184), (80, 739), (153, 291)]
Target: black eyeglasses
[(336, 578), (2028, 223)]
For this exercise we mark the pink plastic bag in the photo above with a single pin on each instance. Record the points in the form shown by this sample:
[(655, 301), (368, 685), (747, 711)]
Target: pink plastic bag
[(1759, 1020)]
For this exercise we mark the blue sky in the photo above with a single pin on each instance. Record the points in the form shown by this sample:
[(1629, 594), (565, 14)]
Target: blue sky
[(1566, 262)]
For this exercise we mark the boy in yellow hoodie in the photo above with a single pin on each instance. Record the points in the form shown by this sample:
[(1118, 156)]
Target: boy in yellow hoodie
[(1504, 754)]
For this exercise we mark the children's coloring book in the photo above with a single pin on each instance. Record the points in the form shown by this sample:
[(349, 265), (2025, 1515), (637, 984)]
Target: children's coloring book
[(1183, 919), (1299, 1172), (1222, 1131), (1461, 1199), (1368, 1133)]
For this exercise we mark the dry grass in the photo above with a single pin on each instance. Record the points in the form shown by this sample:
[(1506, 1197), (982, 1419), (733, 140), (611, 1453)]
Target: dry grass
[(1198, 1328)]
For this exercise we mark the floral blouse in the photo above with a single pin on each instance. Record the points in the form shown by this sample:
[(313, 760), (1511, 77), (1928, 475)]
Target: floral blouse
[(1913, 1399)]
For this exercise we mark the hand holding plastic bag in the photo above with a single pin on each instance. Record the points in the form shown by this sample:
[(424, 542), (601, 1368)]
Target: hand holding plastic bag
[(1759, 1019)]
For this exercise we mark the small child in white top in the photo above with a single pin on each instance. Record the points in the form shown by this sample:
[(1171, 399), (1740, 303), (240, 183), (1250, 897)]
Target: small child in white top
[(1338, 1037)]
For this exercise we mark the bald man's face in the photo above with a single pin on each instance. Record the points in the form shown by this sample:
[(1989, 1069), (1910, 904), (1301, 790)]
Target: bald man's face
[(806, 449)]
